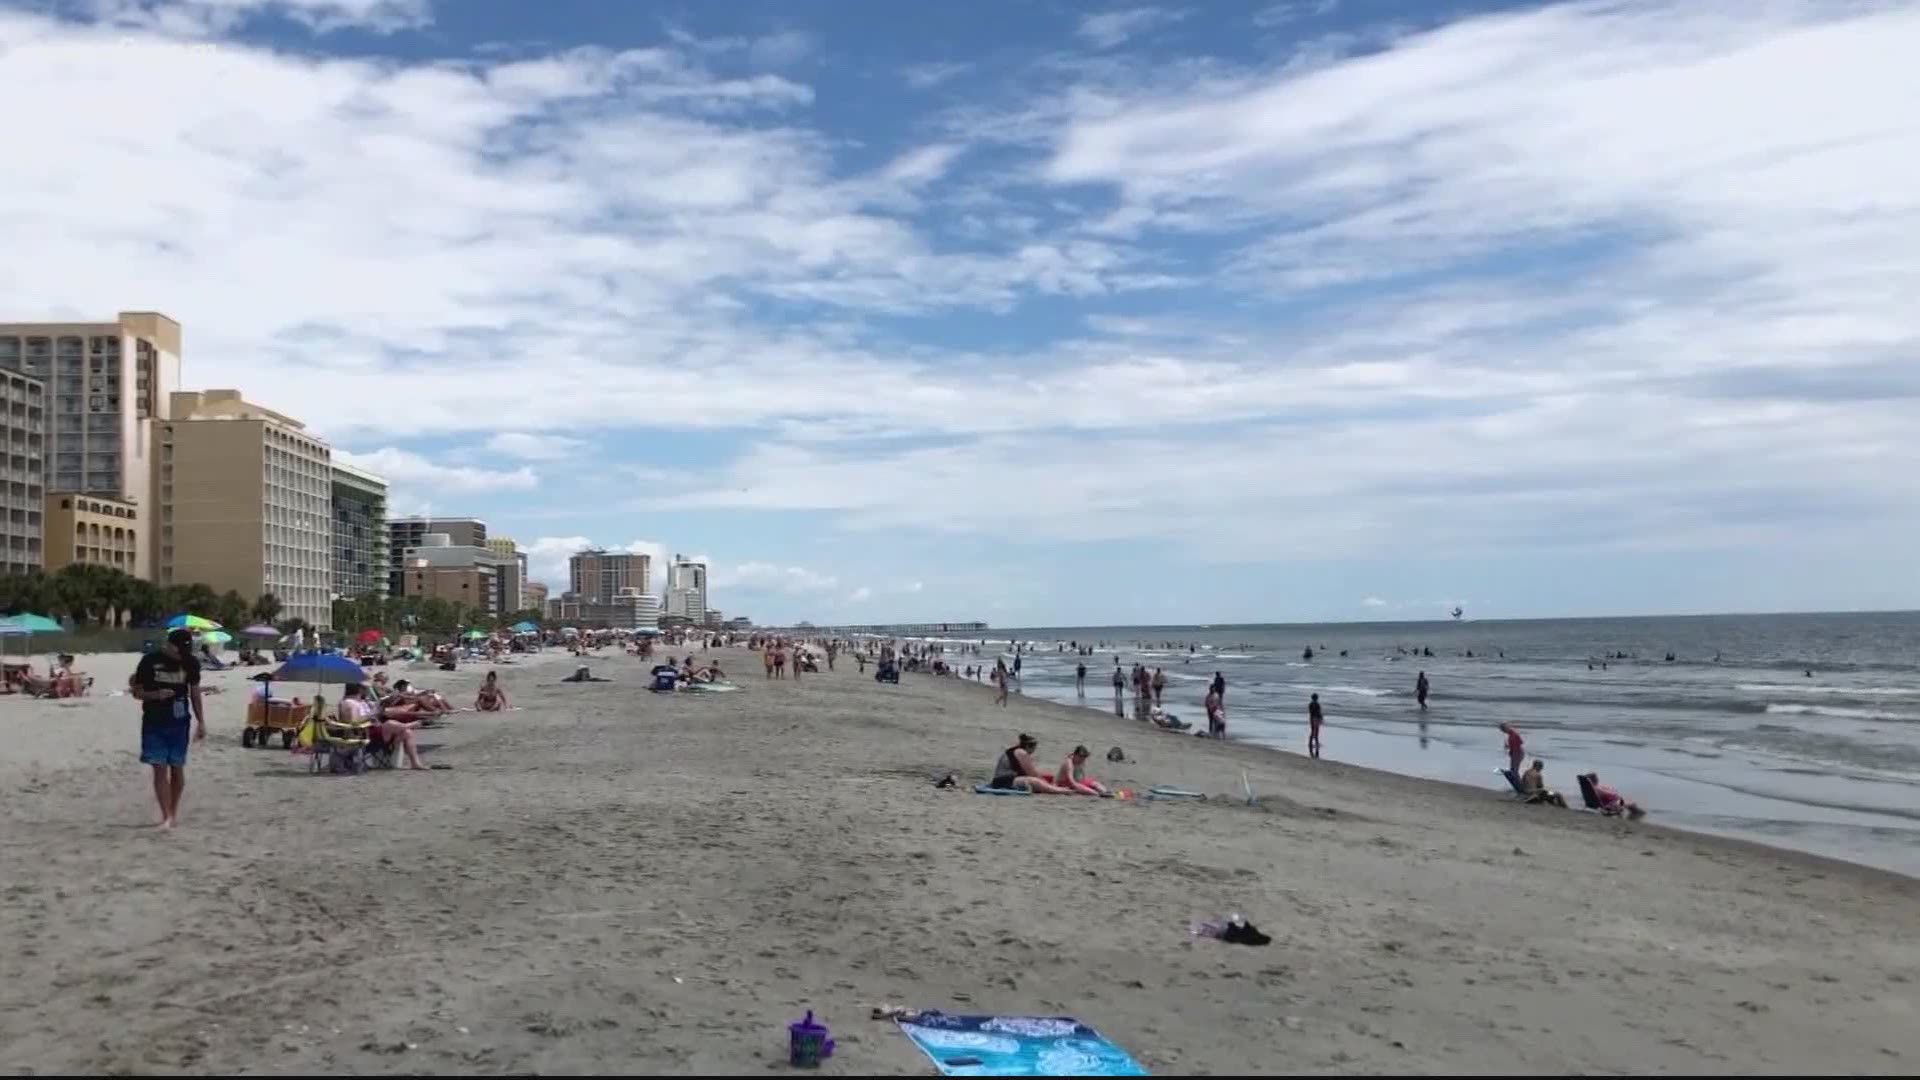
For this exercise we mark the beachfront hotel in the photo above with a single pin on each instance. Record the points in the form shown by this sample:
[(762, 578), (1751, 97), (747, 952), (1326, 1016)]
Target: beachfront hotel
[(93, 529), (23, 427), (533, 597), (687, 590), (458, 573), (627, 609), (360, 551), (245, 503), (513, 587), (104, 386), (408, 532), (598, 575)]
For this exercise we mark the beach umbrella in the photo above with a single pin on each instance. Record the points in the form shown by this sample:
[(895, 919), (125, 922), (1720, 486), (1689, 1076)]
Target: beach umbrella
[(476, 635), (191, 622), (27, 624), (321, 669), (370, 637), (216, 637), (570, 630), (260, 630), (525, 626)]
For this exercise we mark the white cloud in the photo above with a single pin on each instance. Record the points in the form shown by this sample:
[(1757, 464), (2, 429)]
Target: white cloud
[(923, 165), (1291, 11), (413, 473), (860, 595), (769, 577), (1109, 28), (929, 75), (203, 17), (535, 447), (1374, 602)]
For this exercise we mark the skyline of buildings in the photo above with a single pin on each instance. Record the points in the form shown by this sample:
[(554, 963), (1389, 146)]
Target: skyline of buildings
[(110, 462)]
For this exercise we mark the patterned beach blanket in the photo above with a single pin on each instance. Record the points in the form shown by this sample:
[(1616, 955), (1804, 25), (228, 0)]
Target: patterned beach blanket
[(1017, 1046)]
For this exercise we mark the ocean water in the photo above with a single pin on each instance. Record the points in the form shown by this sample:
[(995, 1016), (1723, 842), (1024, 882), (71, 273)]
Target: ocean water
[(1801, 731)]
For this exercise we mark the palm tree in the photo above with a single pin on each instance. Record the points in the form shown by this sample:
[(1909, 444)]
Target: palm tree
[(230, 609), (267, 608)]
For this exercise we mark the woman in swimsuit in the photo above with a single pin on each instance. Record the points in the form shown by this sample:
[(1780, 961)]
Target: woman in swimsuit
[(779, 662), (1015, 769), (1072, 774), (356, 709), (491, 698)]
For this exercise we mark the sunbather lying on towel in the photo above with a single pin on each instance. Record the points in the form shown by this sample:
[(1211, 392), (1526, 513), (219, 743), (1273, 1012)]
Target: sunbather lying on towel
[(406, 703), (1072, 774), (1015, 769)]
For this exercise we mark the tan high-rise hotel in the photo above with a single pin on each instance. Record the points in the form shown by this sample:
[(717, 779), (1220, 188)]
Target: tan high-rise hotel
[(247, 500)]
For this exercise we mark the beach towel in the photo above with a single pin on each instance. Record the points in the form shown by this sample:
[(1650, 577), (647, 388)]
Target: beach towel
[(988, 789), (1017, 1046)]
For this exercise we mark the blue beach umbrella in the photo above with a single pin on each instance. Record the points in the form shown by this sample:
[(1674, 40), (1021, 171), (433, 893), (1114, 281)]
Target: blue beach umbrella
[(321, 668), (525, 627)]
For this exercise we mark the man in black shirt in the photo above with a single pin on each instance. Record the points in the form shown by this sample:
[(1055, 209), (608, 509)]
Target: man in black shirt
[(172, 714)]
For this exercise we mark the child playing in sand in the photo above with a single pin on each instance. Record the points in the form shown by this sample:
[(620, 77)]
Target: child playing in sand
[(1072, 774), (491, 697)]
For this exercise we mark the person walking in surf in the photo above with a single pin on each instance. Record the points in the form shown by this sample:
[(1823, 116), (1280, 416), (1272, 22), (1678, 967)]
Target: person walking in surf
[(1080, 679), (1420, 689)]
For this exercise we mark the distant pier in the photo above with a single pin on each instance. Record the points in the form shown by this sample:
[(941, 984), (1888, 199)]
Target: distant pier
[(893, 629)]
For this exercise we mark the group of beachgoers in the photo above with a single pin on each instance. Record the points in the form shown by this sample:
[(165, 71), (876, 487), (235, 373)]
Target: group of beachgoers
[(1530, 785), (62, 679), (1017, 770), (779, 654)]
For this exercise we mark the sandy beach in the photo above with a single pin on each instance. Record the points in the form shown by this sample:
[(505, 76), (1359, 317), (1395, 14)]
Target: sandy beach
[(612, 880)]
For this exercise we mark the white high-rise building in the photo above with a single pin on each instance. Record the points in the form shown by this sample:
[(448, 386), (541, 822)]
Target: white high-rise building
[(687, 589)]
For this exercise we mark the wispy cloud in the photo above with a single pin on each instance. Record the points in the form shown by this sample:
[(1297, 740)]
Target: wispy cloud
[(1107, 29), (519, 444), (768, 577), (929, 75)]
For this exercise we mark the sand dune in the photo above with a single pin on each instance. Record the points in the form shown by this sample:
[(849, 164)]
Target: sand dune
[(610, 880)]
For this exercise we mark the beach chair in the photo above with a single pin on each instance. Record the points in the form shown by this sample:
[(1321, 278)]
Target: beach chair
[(1519, 790), (339, 747), (1592, 799)]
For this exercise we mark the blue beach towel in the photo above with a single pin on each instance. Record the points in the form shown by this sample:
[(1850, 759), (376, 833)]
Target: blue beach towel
[(1017, 1046), (988, 789)]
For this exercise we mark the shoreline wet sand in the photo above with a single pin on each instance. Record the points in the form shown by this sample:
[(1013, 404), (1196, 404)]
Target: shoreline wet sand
[(611, 880)]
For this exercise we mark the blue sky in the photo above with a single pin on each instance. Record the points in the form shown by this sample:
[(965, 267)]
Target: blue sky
[(1040, 313)]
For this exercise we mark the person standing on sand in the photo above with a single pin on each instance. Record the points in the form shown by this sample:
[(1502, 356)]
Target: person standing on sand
[(1216, 715), (1516, 749), (1080, 680), (1314, 718), (1420, 689), (172, 713), (766, 655), (1000, 680), (1159, 684)]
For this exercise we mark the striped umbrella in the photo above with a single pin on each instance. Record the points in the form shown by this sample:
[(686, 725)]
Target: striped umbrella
[(191, 622)]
